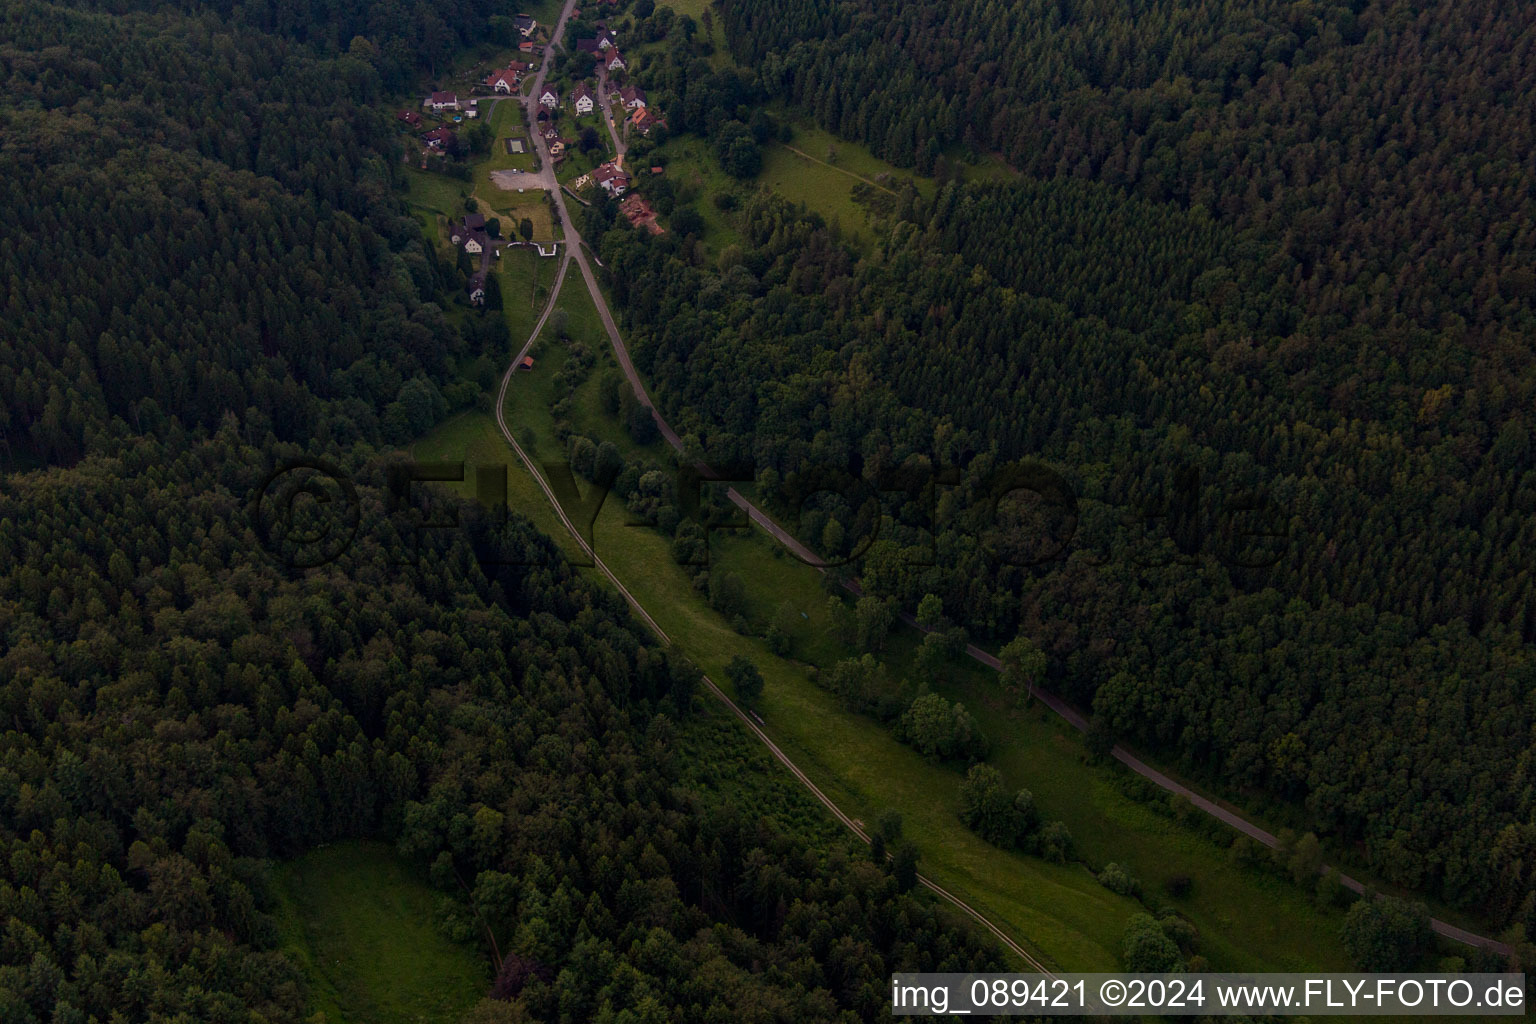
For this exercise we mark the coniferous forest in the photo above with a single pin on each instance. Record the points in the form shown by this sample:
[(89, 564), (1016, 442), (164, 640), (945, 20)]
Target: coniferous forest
[(208, 272), (1260, 299), (1253, 290)]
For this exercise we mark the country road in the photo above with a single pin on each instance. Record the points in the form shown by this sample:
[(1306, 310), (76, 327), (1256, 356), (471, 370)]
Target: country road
[(605, 111), (765, 522), (573, 250)]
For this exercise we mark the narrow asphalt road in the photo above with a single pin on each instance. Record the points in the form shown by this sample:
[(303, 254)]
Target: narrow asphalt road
[(575, 251), (605, 111)]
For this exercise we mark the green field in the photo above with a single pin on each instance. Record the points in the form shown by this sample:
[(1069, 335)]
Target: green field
[(1248, 920), (360, 923), (1058, 909), (435, 194), (525, 279), (697, 177)]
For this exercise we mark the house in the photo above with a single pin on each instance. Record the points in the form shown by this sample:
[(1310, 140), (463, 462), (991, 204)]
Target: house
[(440, 138), (606, 39), (441, 101), (587, 46), (504, 82), (643, 120), (611, 179), (583, 99), (470, 233), (614, 60), (410, 117), (549, 98), (477, 289), (528, 46), (524, 24), (632, 96)]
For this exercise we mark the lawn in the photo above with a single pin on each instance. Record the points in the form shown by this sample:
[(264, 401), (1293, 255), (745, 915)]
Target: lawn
[(822, 186), (473, 438), (525, 279), (697, 177), (1058, 909), (1248, 920), (435, 192), (359, 921), (533, 391)]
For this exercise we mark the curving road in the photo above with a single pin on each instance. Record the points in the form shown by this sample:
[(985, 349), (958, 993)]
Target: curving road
[(574, 250)]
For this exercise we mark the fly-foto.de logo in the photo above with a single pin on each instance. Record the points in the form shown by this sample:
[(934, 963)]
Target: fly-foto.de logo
[(1022, 514)]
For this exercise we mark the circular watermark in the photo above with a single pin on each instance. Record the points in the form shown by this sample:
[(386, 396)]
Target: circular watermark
[(306, 513)]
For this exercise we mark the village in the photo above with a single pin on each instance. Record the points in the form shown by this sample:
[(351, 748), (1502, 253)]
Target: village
[(580, 103)]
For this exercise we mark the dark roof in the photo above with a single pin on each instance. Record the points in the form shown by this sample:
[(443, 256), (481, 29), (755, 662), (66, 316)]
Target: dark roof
[(630, 93), (440, 134), (582, 90), (586, 45), (474, 221), (522, 20), (608, 172), (445, 97)]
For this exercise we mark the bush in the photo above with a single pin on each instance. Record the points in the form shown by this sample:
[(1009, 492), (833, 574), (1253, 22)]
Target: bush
[(1056, 842), (1386, 934), (1117, 880), (746, 680), (938, 729), (1146, 948)]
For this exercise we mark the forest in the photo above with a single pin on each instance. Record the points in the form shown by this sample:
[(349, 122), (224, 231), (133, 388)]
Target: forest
[(181, 709), (210, 273), (1261, 330)]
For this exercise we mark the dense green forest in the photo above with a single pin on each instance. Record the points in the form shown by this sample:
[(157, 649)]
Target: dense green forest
[(179, 708), (1291, 297), (209, 273), (1383, 145)]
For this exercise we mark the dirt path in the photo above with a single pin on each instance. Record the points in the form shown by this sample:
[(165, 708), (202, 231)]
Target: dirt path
[(839, 170), (574, 250)]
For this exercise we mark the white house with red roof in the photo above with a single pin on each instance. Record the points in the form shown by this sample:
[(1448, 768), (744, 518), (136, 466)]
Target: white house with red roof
[(611, 179), (503, 82)]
